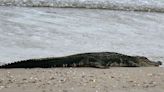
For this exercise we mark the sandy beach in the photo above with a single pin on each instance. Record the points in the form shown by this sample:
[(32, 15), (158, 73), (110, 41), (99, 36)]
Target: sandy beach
[(117, 79)]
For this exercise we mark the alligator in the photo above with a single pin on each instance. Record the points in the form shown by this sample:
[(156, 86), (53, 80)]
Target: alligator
[(93, 59)]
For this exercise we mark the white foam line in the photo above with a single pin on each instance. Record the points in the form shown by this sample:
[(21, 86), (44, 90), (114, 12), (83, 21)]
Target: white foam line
[(135, 5)]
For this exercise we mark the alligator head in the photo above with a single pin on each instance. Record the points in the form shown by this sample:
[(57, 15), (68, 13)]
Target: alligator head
[(143, 61)]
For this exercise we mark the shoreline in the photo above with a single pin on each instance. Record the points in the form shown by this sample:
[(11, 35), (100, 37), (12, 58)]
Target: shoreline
[(115, 79)]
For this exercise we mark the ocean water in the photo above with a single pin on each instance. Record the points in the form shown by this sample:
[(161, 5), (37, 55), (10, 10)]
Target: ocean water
[(113, 25)]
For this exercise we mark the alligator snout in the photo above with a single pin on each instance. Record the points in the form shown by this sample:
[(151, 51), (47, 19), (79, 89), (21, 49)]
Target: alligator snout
[(159, 62)]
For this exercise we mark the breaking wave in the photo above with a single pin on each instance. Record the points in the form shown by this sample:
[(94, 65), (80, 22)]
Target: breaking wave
[(132, 5)]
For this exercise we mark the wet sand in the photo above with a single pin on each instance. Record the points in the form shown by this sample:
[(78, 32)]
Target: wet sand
[(117, 79)]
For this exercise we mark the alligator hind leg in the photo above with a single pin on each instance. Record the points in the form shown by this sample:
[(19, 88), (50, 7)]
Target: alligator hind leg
[(101, 66), (97, 63)]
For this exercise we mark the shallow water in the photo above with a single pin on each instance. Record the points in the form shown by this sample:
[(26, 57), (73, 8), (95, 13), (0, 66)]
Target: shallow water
[(43, 32)]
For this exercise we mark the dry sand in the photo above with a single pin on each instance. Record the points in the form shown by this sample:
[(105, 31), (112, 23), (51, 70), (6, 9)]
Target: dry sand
[(119, 79)]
